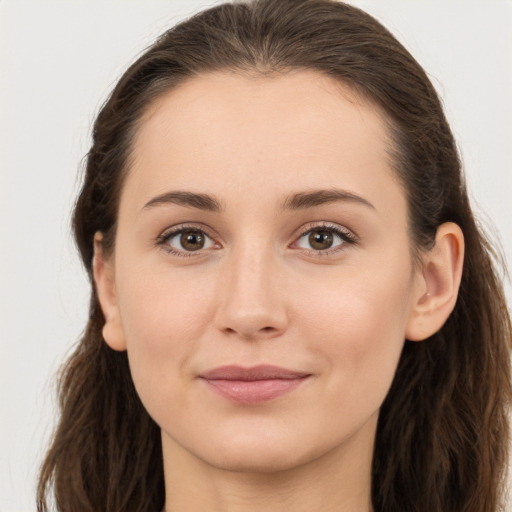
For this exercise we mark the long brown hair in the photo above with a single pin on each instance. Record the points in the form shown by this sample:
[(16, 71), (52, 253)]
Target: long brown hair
[(442, 438)]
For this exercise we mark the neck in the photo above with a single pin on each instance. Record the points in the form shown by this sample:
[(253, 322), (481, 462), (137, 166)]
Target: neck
[(339, 480)]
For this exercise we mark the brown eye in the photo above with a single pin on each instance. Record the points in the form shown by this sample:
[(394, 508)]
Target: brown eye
[(320, 239), (324, 240), (192, 240), (186, 240)]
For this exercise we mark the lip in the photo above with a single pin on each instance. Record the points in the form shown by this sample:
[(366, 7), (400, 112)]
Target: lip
[(253, 385)]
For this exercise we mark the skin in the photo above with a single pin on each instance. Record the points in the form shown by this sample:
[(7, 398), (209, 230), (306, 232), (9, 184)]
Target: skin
[(259, 293)]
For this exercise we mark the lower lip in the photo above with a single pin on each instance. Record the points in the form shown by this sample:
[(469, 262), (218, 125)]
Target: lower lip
[(253, 391)]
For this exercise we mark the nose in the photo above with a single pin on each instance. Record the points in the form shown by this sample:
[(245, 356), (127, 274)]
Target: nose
[(252, 301)]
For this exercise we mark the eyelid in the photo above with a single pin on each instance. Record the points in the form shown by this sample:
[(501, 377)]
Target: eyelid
[(162, 239), (184, 226), (347, 235)]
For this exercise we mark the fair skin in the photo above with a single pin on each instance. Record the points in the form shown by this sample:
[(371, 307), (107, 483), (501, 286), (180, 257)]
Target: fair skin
[(323, 286)]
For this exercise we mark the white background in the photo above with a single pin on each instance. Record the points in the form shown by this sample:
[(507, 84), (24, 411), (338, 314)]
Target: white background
[(59, 60)]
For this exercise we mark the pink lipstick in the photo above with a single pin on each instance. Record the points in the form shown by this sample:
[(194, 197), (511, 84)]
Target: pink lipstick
[(253, 385)]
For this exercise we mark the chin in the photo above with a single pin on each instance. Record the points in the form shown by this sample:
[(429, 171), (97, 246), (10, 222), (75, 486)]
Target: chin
[(261, 453), (259, 460)]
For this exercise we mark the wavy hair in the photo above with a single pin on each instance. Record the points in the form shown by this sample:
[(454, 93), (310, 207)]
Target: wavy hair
[(442, 437)]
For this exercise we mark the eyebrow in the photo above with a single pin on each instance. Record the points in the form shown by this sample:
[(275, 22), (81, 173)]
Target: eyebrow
[(184, 198), (297, 201), (309, 199)]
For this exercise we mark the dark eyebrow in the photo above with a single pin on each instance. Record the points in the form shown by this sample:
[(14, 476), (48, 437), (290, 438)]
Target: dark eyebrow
[(192, 199), (303, 200), (297, 201)]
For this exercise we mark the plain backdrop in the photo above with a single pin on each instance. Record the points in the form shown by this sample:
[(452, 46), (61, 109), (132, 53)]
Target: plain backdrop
[(58, 62)]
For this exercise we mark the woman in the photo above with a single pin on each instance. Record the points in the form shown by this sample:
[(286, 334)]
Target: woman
[(292, 304)]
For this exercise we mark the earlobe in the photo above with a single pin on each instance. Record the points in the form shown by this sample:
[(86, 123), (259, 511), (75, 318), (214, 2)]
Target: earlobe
[(103, 272), (439, 282)]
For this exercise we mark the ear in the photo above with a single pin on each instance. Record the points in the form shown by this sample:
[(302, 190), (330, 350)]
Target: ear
[(438, 283), (103, 271)]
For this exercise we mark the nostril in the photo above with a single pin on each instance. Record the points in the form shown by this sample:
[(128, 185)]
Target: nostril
[(251, 334)]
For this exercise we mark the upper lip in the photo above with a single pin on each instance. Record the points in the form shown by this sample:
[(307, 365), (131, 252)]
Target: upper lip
[(261, 372)]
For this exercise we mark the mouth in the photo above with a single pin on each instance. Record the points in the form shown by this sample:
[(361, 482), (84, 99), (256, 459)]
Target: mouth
[(254, 385)]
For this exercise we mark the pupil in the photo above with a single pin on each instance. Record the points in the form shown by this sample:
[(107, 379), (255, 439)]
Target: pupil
[(320, 239), (192, 240)]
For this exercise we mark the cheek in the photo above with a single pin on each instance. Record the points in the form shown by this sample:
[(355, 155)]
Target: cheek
[(357, 324), (164, 315), (161, 306)]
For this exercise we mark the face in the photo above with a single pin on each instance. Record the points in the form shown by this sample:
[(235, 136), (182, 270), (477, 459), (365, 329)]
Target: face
[(262, 281)]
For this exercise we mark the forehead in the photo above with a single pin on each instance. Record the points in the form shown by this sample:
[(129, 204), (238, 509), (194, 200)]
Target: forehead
[(227, 132)]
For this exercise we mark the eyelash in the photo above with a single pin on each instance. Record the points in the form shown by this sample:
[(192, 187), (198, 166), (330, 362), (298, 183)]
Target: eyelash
[(164, 238), (345, 235)]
